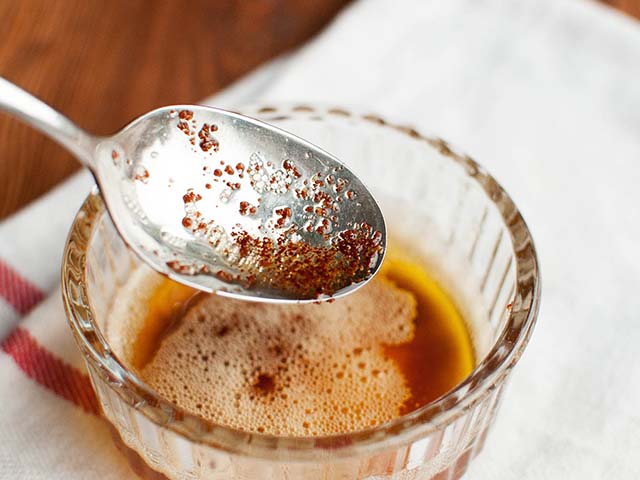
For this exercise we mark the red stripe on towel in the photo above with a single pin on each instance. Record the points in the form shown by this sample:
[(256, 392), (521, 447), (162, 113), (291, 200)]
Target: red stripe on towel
[(50, 371), (21, 294)]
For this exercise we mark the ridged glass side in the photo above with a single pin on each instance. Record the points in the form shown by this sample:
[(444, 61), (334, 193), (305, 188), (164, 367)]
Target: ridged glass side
[(467, 227)]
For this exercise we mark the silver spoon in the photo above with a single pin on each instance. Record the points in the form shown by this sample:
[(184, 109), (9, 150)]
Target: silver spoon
[(222, 202)]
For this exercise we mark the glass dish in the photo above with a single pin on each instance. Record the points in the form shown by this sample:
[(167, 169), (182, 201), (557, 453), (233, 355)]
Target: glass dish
[(463, 223)]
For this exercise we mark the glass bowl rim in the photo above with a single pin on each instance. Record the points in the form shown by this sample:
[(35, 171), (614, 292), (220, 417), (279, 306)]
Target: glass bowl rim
[(485, 377)]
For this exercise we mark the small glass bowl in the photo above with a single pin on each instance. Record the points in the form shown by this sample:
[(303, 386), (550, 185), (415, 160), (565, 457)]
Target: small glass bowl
[(464, 224)]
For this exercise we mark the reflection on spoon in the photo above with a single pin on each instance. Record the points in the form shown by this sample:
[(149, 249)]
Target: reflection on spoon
[(226, 203)]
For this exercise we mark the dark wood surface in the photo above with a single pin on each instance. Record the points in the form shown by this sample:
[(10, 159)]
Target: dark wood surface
[(103, 63), (630, 7)]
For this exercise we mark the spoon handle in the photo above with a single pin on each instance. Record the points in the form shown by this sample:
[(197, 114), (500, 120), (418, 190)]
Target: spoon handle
[(23, 105)]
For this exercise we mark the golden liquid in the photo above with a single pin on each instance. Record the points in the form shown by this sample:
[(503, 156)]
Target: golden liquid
[(439, 356)]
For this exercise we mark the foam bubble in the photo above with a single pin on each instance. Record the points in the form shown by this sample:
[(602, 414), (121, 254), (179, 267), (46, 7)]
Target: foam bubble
[(288, 370)]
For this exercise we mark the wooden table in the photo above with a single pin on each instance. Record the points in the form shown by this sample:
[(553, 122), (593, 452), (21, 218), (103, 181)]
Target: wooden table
[(103, 63)]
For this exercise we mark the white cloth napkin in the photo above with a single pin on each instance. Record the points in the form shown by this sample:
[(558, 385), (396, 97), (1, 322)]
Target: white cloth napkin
[(545, 94)]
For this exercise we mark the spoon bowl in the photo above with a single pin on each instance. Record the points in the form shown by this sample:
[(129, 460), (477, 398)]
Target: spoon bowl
[(226, 203)]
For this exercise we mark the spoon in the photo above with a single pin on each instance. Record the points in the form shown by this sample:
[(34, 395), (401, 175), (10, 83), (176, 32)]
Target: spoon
[(226, 203)]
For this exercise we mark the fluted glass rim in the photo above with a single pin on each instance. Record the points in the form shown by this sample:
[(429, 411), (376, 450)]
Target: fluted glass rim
[(486, 376)]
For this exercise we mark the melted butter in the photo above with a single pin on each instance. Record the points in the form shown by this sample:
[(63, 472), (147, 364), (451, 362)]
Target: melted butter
[(165, 306), (441, 353), (439, 356)]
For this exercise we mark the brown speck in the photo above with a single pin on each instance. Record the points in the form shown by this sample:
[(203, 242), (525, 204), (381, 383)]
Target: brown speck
[(291, 168), (207, 142), (178, 267), (191, 196), (184, 126), (224, 276), (142, 176), (284, 214), (265, 384), (186, 115)]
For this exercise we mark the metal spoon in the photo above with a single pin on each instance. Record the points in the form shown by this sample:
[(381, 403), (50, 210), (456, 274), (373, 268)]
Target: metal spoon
[(186, 186)]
